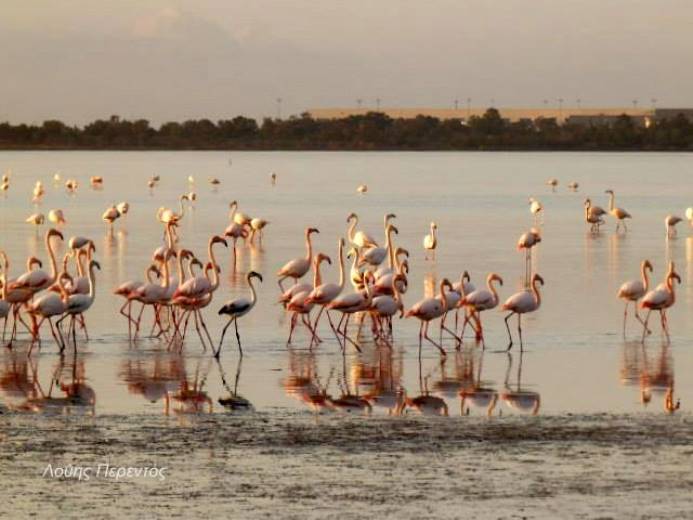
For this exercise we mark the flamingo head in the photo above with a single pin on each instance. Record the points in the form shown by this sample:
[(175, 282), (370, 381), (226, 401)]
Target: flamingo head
[(311, 230), (390, 216), (609, 192), (320, 257), (219, 240), (587, 203), (496, 277), (536, 278), (54, 233), (465, 276), (351, 216), (391, 228), (254, 274), (402, 251), (95, 264), (648, 265)]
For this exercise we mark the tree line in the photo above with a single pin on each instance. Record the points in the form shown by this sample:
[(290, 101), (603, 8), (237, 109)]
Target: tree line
[(372, 131)]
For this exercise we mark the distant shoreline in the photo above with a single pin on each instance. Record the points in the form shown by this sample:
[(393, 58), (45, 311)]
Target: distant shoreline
[(373, 131)]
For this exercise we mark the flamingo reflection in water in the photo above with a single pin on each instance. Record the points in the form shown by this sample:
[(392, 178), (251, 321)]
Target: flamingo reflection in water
[(476, 392), (652, 377), (78, 397), (155, 376), (303, 382), (424, 403), (524, 401), (191, 397), (233, 401)]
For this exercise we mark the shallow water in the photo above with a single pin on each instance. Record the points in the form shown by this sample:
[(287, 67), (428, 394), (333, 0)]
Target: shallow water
[(575, 361)]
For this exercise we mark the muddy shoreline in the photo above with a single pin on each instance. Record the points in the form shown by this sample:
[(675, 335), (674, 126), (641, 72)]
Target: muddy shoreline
[(291, 464)]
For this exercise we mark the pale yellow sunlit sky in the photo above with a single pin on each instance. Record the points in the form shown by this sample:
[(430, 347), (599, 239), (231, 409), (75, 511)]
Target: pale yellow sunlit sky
[(77, 60)]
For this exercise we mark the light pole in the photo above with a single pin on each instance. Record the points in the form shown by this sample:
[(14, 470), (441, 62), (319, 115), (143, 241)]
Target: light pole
[(635, 104), (457, 104), (469, 107), (654, 103), (359, 102), (279, 108), (579, 103), (560, 108)]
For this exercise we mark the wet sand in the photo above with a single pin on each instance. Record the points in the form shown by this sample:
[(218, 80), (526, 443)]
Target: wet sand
[(296, 465)]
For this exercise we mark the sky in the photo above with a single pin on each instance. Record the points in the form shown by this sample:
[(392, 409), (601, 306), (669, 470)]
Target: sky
[(164, 60)]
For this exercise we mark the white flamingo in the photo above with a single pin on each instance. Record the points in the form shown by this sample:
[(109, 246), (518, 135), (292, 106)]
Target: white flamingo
[(430, 309), (238, 308), (77, 304), (520, 303), (660, 300), (619, 214), (430, 241), (359, 239), (298, 267), (633, 290), (478, 301)]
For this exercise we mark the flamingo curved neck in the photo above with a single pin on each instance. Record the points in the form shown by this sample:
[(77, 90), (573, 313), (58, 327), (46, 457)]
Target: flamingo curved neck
[(645, 277), (166, 280), (492, 289), (611, 201), (309, 247), (182, 207), (537, 295), (317, 278), (388, 246), (215, 266), (92, 283), (253, 294), (179, 266), (341, 266), (442, 298), (352, 229), (51, 255)]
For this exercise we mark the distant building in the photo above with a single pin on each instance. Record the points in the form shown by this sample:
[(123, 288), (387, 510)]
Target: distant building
[(671, 113)]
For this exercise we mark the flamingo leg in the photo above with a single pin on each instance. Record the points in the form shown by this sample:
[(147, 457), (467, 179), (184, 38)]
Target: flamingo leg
[(440, 348), (637, 316), (329, 319), (221, 341), (519, 330), (292, 325), (644, 330), (238, 337), (204, 327), (507, 327)]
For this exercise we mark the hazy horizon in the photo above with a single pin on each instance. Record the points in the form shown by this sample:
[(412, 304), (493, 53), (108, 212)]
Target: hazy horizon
[(171, 60)]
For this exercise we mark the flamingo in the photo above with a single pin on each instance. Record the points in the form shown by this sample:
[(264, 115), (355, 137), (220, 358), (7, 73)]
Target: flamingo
[(593, 215), (96, 181), (362, 189), (257, 225), (360, 239), (128, 287), (47, 307), (123, 208), (71, 185), (239, 217), (430, 241), (689, 215), (527, 241), (298, 267), (152, 293), (384, 307), (323, 294), (37, 219), (573, 186), (201, 285), (110, 216), (77, 304), (520, 303), (56, 216), (376, 255), (619, 214), (38, 192), (660, 300), (349, 304), (429, 309), (273, 178), (5, 186), (166, 215), (298, 302), (479, 301), (5, 305), (553, 182), (535, 208), (670, 223), (238, 308), (37, 280), (633, 290)]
